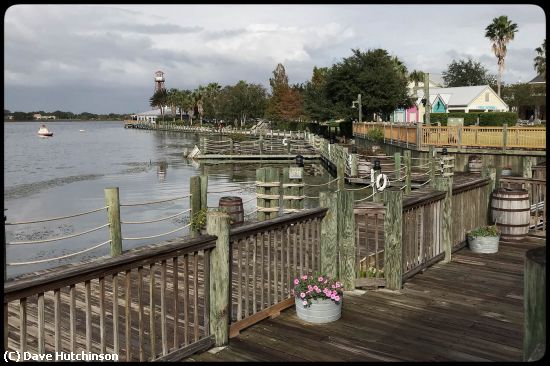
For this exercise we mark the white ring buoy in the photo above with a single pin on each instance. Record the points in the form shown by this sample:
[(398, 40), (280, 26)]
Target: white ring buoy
[(285, 142), (385, 178)]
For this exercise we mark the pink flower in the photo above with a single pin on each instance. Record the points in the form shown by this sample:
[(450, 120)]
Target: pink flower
[(333, 296), (309, 287), (304, 302), (304, 277), (320, 279), (334, 292), (338, 284), (317, 289), (292, 291), (296, 281), (302, 295), (337, 298), (326, 280), (332, 286)]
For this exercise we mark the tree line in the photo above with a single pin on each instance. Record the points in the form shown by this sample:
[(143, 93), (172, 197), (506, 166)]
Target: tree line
[(62, 115)]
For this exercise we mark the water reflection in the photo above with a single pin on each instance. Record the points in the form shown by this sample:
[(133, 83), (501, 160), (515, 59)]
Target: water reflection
[(161, 171)]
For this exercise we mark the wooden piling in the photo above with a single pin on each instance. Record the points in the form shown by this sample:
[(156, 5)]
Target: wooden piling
[(433, 166), (217, 223), (340, 166), (204, 191), (534, 300), (354, 170), (113, 213), (491, 173), (260, 202), (195, 199), (393, 227), (445, 184), (407, 159), (346, 239), (397, 159), (527, 166), (329, 237)]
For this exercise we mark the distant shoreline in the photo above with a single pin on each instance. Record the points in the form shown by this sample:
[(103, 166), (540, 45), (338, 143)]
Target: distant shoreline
[(67, 120)]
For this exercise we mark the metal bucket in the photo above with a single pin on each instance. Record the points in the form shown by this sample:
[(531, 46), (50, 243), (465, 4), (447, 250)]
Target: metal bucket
[(320, 311), (483, 244)]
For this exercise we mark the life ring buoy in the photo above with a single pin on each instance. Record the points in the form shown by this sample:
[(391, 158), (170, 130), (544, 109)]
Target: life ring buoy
[(285, 143), (379, 186)]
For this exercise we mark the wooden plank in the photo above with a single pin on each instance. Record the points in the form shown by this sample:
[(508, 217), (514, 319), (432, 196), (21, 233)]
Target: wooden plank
[(175, 297), (152, 311), (182, 353), (346, 239), (393, 239), (163, 332), (116, 334), (141, 325), (235, 328), (196, 296), (22, 327), (329, 232), (57, 320), (128, 317)]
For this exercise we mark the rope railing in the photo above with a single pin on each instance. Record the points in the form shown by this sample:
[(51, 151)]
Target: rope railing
[(57, 258), (252, 198), (322, 184), (154, 202), (156, 236), (56, 218), (250, 213), (312, 197), (358, 189), (362, 199), (227, 190), (58, 238), (426, 182), (156, 220)]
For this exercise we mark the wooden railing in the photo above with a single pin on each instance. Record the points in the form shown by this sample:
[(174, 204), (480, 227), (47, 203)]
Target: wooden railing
[(267, 145), (145, 304), (537, 197), (266, 257), (457, 136), (369, 241)]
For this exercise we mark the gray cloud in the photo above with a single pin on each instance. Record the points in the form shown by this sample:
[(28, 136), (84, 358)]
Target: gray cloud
[(102, 58)]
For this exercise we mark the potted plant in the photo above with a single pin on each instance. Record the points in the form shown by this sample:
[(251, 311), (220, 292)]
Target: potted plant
[(318, 298), (506, 171), (484, 239)]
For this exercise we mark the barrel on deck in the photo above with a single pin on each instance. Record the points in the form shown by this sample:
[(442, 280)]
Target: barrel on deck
[(510, 210), (233, 205), (475, 164)]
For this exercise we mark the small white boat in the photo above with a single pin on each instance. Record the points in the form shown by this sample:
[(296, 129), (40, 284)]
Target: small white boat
[(82, 130), (43, 131)]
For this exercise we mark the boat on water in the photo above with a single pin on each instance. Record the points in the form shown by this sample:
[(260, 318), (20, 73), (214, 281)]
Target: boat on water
[(43, 131)]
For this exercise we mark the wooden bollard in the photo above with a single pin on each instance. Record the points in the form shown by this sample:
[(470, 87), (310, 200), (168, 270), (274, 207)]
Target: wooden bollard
[(217, 223), (340, 168), (329, 234), (534, 304), (113, 212), (445, 184), (397, 160), (354, 170), (195, 199), (407, 158), (204, 191), (393, 231), (346, 240)]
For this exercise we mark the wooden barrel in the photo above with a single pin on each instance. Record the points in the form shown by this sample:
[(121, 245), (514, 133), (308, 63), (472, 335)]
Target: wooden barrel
[(233, 205), (510, 210)]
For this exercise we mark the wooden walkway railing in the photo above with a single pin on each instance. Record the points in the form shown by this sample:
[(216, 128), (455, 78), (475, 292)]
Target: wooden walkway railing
[(527, 138), (537, 197)]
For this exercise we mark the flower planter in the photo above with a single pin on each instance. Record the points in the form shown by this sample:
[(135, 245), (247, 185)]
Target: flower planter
[(483, 244), (320, 311)]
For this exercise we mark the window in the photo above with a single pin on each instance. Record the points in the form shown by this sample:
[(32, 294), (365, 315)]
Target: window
[(486, 97)]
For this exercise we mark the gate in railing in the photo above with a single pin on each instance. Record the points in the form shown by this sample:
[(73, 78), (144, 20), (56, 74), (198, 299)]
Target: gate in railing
[(265, 258), (369, 241)]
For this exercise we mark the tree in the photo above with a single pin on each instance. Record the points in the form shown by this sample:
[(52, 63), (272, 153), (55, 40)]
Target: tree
[(317, 106), (373, 75), (172, 100), (416, 77), (467, 73), (285, 103), (501, 31), (540, 59), (211, 100), (159, 100), (198, 96)]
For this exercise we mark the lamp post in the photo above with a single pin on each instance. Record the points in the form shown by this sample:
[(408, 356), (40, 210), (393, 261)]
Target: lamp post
[(358, 101)]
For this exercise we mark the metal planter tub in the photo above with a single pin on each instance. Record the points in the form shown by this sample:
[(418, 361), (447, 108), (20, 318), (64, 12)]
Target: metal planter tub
[(483, 244), (320, 311)]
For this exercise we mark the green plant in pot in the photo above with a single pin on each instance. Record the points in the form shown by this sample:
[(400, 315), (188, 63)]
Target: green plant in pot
[(484, 239), (318, 298)]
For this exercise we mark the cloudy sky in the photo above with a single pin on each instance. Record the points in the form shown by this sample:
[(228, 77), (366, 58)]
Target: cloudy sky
[(102, 58)]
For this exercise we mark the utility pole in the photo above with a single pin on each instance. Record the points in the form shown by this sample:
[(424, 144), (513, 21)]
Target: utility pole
[(360, 108), (427, 97)]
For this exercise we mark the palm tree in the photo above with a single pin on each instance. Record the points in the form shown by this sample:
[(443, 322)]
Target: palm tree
[(501, 31), (540, 59), (159, 99), (212, 93), (172, 100), (184, 102), (198, 95), (399, 66), (416, 76)]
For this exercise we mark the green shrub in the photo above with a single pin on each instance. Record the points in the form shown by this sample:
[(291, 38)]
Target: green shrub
[(484, 231), (485, 119), (376, 135)]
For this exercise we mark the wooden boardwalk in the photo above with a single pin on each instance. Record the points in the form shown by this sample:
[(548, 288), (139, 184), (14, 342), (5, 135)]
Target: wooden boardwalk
[(470, 309)]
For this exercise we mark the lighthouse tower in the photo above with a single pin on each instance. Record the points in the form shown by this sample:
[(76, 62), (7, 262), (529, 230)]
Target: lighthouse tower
[(159, 80)]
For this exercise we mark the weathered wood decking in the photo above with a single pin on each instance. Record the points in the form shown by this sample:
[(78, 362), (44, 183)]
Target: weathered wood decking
[(470, 309)]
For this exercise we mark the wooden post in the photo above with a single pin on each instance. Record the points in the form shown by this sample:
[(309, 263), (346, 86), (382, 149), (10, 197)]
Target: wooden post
[(261, 143), (346, 239), (534, 300), (418, 136), (5, 266), (433, 166), (354, 170), (260, 202), (340, 167), (195, 199), (272, 175), (407, 158), (329, 234), (217, 223), (204, 190), (527, 166), (230, 145), (202, 145), (445, 184), (491, 173), (393, 227), (397, 160), (504, 136), (113, 212)]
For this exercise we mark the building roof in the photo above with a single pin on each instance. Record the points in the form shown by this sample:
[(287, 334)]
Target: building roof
[(154, 112), (458, 96), (538, 79)]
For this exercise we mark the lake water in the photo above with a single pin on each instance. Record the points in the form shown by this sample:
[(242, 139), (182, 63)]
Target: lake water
[(67, 174)]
